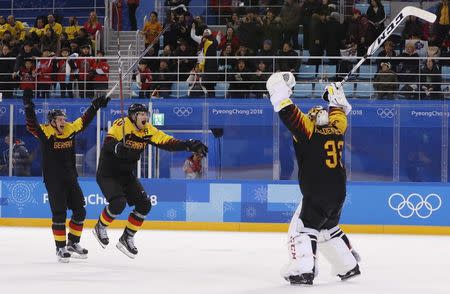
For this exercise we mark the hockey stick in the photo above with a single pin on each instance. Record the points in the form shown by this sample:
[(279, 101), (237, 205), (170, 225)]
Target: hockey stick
[(137, 60), (405, 12), (120, 63)]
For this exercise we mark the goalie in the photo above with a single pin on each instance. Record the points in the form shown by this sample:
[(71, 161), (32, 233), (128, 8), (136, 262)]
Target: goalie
[(318, 139)]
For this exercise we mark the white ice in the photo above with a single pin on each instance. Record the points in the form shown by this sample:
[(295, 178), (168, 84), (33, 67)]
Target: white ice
[(183, 262)]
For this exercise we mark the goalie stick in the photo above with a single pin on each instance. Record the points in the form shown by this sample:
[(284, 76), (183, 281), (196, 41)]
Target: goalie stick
[(405, 12)]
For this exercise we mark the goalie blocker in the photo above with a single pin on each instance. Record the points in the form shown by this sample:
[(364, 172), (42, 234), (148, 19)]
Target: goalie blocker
[(318, 139)]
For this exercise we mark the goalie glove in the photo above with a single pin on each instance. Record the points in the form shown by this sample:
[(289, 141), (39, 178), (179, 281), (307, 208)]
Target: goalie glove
[(279, 87), (196, 146), (335, 96)]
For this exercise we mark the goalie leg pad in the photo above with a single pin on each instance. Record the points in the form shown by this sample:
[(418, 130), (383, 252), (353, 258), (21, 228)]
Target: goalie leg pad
[(336, 248)]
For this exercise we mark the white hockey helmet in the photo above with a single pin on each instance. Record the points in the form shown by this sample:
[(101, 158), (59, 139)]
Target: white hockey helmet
[(318, 115)]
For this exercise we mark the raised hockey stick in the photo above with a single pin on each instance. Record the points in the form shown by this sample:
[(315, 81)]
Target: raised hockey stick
[(405, 12)]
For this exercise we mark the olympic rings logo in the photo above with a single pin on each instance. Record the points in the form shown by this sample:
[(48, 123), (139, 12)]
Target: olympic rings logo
[(406, 207), (183, 111), (386, 112)]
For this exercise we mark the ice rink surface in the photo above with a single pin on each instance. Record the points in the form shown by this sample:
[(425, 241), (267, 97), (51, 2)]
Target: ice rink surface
[(184, 262)]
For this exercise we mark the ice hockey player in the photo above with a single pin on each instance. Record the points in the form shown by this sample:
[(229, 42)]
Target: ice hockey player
[(126, 140), (57, 139), (318, 139)]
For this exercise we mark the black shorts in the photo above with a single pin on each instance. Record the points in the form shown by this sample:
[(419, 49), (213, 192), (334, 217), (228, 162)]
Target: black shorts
[(64, 194), (319, 215), (122, 186)]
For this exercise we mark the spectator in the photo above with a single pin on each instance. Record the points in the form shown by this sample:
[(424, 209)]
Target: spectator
[(272, 29), (27, 76), (100, 74), (207, 48), (242, 53), (28, 51), (376, 16), (358, 30), (196, 89), (83, 38), (240, 81), (153, 63), (335, 36), (92, 25), (288, 64), (4, 26), (387, 52), (170, 36), (171, 62), (144, 79), (235, 22), (7, 84), (162, 80), (50, 40), (21, 158), (268, 52), (7, 38), (193, 166), (65, 69), (226, 64), (74, 48), (327, 8), (260, 78), (413, 27), (46, 70), (184, 64), (385, 82), (151, 31), (18, 28), (72, 29), (229, 38), (290, 19), (408, 70), (52, 24), (183, 29), (308, 9), (442, 24), (318, 35), (64, 41), (250, 32), (38, 29), (85, 65), (199, 25), (430, 80), (132, 7)]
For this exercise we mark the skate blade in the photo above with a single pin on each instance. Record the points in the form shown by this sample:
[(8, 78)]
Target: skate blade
[(124, 250), (98, 239), (351, 277), (78, 256), (63, 259)]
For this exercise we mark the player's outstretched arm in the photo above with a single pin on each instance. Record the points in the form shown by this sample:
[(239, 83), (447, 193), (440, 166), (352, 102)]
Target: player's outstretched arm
[(32, 123), (169, 143), (339, 107), (279, 86), (86, 118)]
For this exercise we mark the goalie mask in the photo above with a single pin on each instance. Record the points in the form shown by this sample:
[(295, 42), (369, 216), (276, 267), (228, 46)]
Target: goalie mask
[(318, 115)]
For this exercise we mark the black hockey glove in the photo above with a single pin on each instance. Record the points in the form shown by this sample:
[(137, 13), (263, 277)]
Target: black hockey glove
[(100, 102), (121, 150), (196, 146)]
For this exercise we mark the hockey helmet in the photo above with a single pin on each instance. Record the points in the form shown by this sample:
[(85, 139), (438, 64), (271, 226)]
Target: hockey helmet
[(52, 114), (135, 108), (318, 115)]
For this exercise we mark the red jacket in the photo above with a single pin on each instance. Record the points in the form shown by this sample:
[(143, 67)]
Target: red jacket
[(45, 71), (84, 66), (146, 79), (27, 78), (92, 30), (61, 71), (103, 66)]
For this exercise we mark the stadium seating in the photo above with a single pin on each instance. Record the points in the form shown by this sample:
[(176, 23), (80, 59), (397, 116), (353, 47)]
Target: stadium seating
[(303, 90)]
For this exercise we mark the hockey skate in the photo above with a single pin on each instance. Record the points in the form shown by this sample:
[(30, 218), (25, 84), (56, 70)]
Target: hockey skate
[(126, 245), (303, 279), (351, 273), (76, 250), (62, 255), (101, 235)]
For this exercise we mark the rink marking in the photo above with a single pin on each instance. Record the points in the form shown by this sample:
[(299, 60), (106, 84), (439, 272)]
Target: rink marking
[(235, 226)]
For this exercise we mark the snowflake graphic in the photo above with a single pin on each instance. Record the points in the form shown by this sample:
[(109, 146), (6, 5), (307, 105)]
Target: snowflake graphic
[(171, 214), (250, 212), (21, 194), (260, 194), (228, 206)]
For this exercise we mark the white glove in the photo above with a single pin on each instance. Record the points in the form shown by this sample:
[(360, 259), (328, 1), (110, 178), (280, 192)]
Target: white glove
[(279, 86), (336, 97), (73, 55)]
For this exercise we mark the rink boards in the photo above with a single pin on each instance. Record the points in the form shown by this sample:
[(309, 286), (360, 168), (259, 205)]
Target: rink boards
[(245, 205)]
